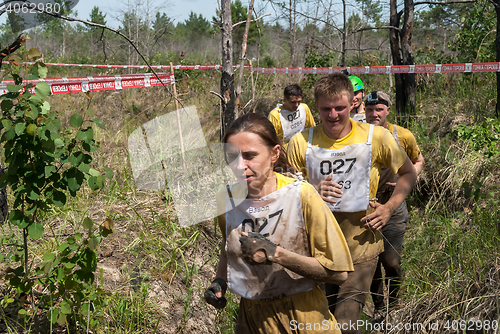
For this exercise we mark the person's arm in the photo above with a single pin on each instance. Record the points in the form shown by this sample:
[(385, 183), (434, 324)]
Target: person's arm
[(418, 163), (308, 267), (258, 250), (407, 177)]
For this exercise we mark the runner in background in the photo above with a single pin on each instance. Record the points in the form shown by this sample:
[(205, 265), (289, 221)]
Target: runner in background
[(358, 111), (278, 243), (342, 158), (292, 116), (378, 107)]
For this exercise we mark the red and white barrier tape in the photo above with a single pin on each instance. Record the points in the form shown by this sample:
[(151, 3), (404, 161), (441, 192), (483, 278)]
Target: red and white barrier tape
[(437, 68), (156, 67), (430, 68), (86, 85), (92, 78)]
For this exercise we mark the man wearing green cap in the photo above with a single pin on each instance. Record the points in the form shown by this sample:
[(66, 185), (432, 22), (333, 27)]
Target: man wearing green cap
[(358, 111)]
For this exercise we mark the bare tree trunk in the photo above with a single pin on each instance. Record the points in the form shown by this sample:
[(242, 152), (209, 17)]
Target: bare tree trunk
[(227, 79), (496, 4), (344, 33), (243, 58), (292, 32), (409, 78), (401, 52)]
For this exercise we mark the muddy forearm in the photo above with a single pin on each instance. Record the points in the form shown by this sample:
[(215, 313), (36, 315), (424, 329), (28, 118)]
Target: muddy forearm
[(308, 267)]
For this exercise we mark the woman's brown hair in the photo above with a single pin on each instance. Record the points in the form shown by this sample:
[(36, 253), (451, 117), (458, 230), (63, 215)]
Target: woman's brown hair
[(262, 127)]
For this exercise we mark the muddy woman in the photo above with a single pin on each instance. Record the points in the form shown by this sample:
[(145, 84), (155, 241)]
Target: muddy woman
[(279, 241)]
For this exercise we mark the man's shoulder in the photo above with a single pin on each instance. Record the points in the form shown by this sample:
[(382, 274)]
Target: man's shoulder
[(403, 132)]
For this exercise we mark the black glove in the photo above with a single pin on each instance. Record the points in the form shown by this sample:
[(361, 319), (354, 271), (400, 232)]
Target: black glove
[(217, 285), (257, 242)]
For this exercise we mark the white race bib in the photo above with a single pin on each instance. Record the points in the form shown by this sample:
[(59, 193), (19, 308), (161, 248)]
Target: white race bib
[(350, 168), (279, 217), (361, 117), (292, 122)]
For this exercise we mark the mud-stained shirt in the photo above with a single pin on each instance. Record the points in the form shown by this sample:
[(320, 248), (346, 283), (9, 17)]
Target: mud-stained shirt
[(363, 244), (288, 123), (305, 226), (407, 141)]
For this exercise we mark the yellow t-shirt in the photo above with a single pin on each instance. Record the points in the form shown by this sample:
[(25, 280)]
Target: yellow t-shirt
[(406, 140), (326, 241), (327, 245), (409, 144), (364, 244), (274, 117)]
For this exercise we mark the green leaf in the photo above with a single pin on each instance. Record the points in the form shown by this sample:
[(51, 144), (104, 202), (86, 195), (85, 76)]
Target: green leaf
[(93, 172), (33, 53), (88, 223), (63, 246), (93, 243), (6, 105), (58, 198), (98, 121), (34, 110), (69, 265), (42, 70), (42, 90), (75, 178), (31, 129), (14, 88), (109, 173), (19, 128), (65, 307), (76, 121), (7, 124), (35, 230), (49, 170), (48, 256), (22, 313)]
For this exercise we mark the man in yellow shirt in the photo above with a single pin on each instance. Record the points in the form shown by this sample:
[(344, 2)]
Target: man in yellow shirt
[(377, 106), (292, 116), (358, 110), (342, 158)]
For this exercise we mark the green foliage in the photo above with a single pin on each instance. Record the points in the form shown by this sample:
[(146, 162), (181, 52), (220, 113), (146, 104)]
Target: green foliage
[(194, 28), (44, 168), (475, 41), (315, 59), (483, 136), (96, 16), (372, 11)]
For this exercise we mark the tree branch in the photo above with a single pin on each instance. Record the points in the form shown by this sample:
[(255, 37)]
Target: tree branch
[(12, 48), (443, 2), (375, 28), (237, 24), (92, 24)]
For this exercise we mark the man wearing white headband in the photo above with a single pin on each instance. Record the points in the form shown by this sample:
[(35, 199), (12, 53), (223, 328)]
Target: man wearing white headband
[(377, 108)]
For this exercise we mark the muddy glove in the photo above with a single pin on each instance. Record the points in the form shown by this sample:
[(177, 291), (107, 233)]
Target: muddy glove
[(218, 285), (257, 242)]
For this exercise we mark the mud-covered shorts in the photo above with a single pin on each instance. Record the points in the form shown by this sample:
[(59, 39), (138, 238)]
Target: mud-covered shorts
[(395, 228)]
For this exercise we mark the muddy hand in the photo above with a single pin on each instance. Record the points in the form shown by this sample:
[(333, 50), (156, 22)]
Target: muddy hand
[(329, 190), (377, 219), (214, 295), (257, 249)]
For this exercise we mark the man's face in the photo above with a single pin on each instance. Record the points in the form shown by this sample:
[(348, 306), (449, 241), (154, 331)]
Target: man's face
[(377, 114), (292, 102), (334, 113), (358, 98)]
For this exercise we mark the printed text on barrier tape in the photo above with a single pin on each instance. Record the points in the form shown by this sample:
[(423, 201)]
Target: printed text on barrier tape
[(86, 85), (429, 68), (156, 67)]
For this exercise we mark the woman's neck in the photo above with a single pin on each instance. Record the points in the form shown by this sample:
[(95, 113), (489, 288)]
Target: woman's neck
[(269, 186)]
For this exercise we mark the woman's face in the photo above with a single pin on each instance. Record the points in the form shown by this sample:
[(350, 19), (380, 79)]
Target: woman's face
[(251, 160)]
